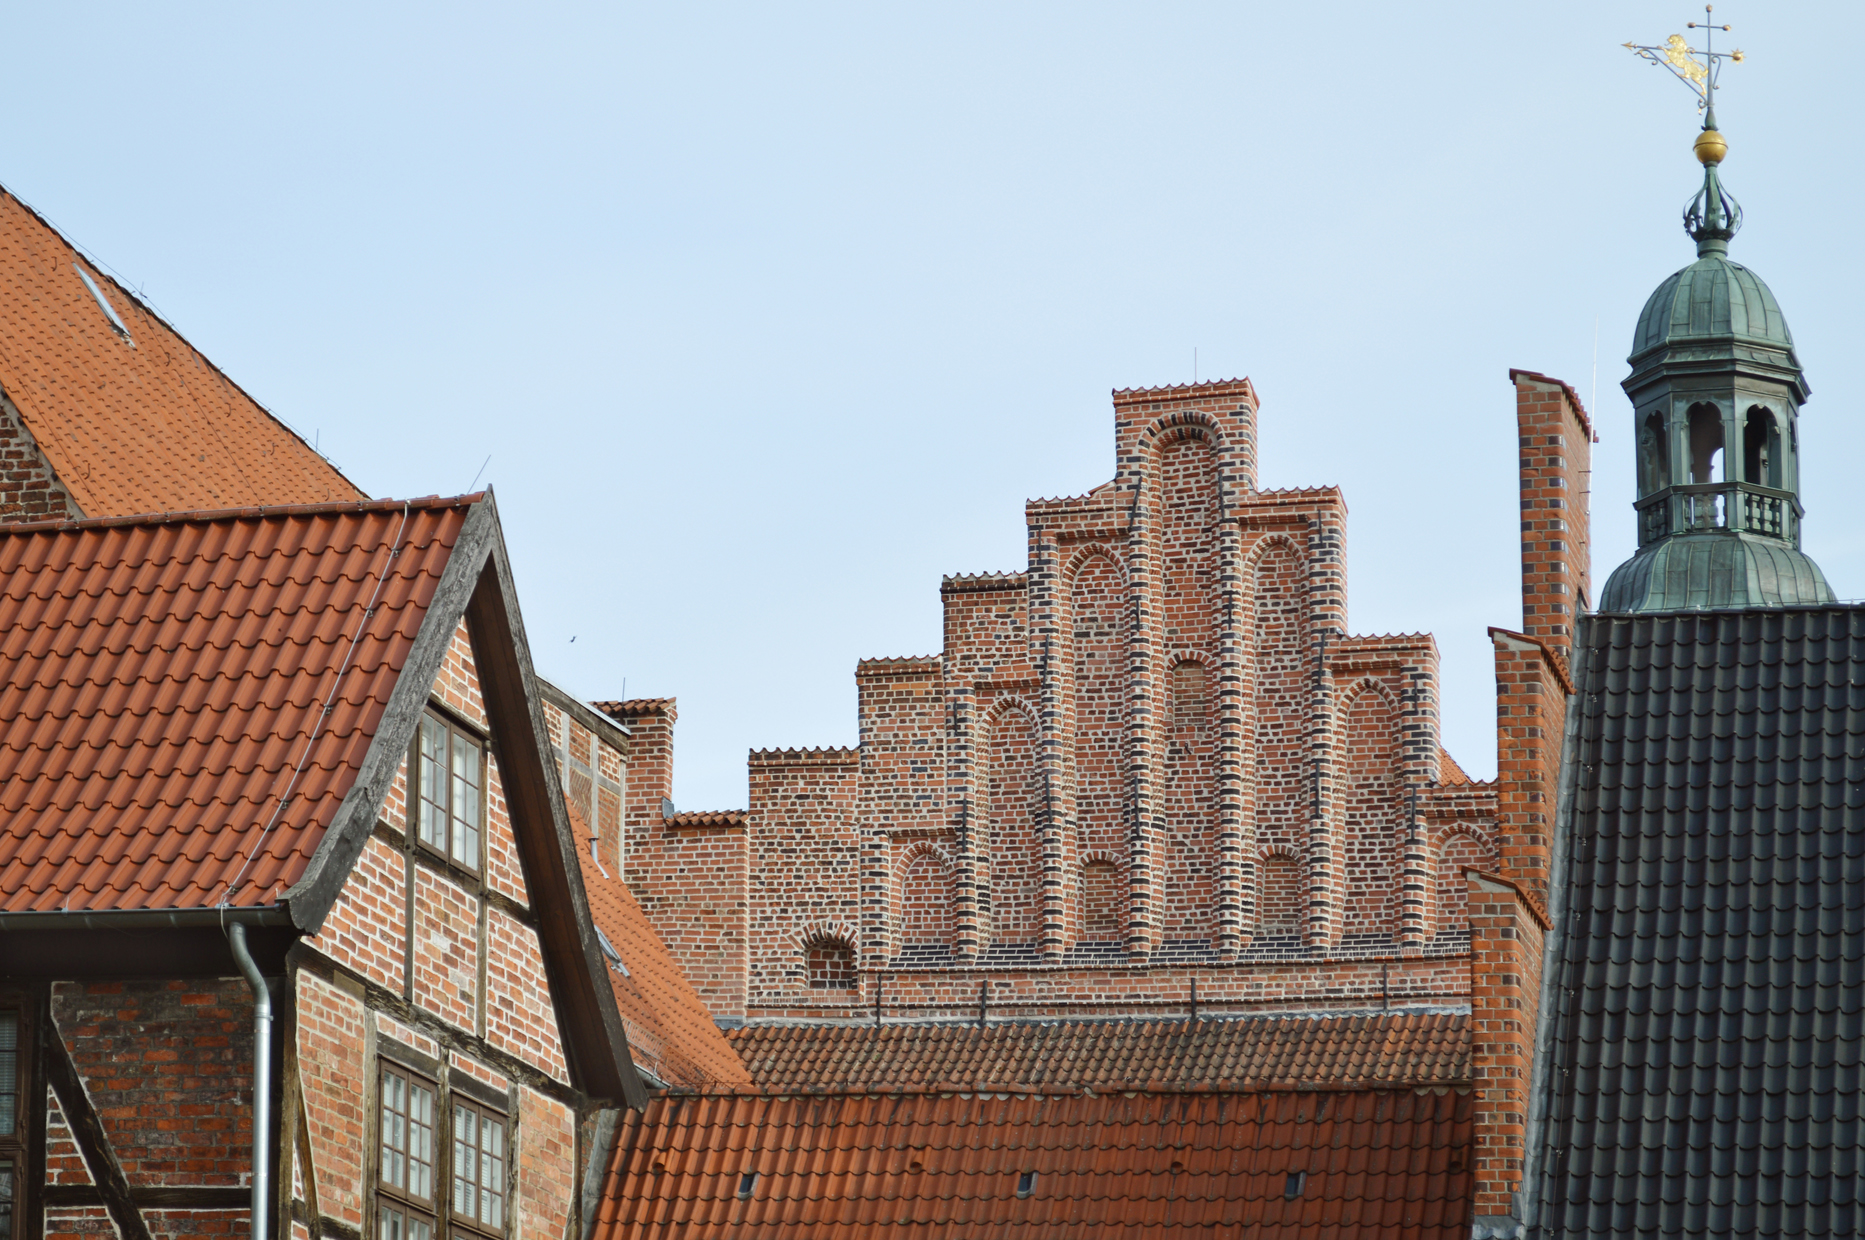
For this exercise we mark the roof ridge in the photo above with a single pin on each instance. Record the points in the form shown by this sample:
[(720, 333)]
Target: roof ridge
[(204, 515), (1149, 1088)]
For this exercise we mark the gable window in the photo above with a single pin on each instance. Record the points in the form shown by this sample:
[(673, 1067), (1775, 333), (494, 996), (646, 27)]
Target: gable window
[(478, 1167), (12, 1122), (451, 789), (405, 1179)]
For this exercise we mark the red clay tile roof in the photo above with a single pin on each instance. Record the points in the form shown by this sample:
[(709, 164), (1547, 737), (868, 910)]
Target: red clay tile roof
[(150, 428), (161, 679), (709, 818), (671, 1034), (933, 1165), (1253, 1052), (1448, 770)]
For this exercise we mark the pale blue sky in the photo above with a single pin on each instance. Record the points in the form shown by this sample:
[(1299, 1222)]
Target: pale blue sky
[(769, 315)]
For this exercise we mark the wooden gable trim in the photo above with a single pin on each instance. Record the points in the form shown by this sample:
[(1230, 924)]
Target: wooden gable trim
[(476, 586), (595, 1041)]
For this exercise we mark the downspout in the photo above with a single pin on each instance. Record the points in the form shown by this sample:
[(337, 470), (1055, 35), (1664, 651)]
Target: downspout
[(262, 1077)]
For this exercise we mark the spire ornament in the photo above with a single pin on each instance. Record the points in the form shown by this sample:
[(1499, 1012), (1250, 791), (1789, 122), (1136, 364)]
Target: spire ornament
[(1713, 216)]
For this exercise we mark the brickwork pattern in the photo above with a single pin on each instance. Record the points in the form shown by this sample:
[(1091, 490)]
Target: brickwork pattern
[(29, 486), (1159, 739), (64, 1162), (367, 927), (446, 950), (168, 1066), (1506, 935), (1556, 441), (331, 1070), (519, 1015), (546, 1157)]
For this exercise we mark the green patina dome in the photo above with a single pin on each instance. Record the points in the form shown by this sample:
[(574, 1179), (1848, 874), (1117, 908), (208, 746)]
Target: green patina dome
[(1711, 302), (1690, 572)]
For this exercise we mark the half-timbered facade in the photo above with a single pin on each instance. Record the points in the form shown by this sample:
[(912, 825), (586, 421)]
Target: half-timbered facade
[(289, 763)]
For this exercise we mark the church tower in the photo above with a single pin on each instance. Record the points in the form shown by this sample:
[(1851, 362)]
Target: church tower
[(1716, 388)]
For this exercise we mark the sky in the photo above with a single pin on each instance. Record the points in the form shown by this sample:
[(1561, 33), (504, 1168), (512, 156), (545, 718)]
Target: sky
[(761, 318)]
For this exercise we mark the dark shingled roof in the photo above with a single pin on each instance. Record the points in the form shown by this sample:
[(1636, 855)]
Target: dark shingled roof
[(1705, 1009)]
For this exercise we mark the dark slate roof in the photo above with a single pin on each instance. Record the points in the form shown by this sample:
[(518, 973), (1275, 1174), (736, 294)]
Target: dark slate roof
[(1704, 1075)]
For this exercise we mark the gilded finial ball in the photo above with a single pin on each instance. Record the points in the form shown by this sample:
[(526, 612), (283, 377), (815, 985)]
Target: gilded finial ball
[(1710, 147)]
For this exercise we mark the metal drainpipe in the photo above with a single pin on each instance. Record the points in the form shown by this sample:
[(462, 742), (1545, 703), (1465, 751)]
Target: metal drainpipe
[(262, 1076)]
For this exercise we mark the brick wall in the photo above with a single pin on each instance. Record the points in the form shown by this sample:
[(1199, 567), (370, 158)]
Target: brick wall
[(331, 1070), (1556, 441), (1507, 926), (1532, 687), (1159, 728), (168, 1066), (29, 486)]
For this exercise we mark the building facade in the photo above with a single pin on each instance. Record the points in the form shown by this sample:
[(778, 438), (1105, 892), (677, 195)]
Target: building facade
[(1158, 758)]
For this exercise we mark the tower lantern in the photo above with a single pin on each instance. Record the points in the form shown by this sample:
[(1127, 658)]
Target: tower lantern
[(1716, 391)]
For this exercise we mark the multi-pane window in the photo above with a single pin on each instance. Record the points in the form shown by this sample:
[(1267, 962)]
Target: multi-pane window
[(12, 1122), (427, 1185), (451, 789), (478, 1168), (405, 1176)]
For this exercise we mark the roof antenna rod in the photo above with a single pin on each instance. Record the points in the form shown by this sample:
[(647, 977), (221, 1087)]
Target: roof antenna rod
[(488, 460)]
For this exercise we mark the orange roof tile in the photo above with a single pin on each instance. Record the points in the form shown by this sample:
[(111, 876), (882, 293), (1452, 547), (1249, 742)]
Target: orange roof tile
[(1360, 1164), (671, 1034), (1448, 770), (1395, 1049), (162, 679), (133, 429)]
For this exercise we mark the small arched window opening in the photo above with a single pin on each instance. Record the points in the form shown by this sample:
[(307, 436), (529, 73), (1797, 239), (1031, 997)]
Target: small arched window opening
[(830, 964), (1654, 455), (1761, 448), (1706, 444)]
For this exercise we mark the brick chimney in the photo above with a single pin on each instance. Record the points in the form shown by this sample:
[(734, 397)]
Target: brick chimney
[(1556, 442)]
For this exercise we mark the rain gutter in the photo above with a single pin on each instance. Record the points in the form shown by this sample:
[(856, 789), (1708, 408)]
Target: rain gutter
[(144, 918)]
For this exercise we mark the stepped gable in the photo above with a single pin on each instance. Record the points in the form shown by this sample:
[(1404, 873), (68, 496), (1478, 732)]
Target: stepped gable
[(1255, 1052), (133, 419), (162, 678), (937, 1163), (1704, 999), (671, 1035)]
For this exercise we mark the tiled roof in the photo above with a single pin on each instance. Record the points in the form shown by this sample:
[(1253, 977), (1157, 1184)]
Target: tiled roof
[(709, 818), (983, 1166), (1448, 770), (149, 428), (635, 706), (1398, 1049), (161, 680), (1708, 1008), (670, 1033)]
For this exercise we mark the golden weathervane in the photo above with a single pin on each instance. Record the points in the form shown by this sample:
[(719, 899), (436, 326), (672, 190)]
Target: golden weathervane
[(1700, 69)]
